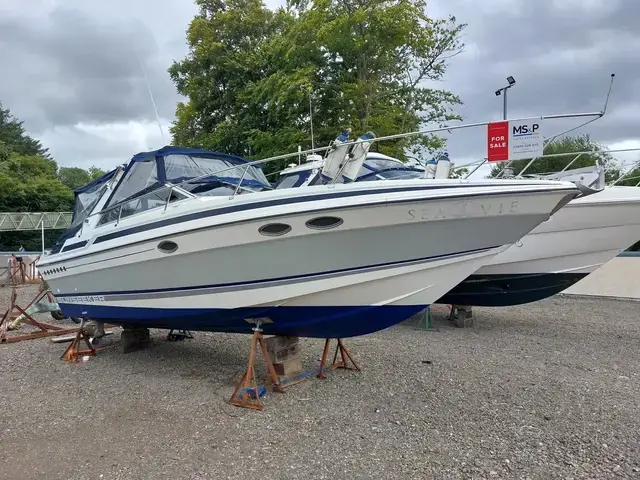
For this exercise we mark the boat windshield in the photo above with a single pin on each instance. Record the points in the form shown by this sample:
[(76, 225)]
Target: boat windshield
[(86, 198), (147, 181), (209, 170), (372, 169)]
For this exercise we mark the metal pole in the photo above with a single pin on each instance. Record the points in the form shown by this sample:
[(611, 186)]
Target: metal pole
[(311, 121), (42, 233), (504, 103)]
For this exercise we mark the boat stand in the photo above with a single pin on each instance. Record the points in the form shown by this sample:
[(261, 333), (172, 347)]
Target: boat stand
[(461, 316), (247, 393), (178, 335), (345, 357), (46, 329), (74, 353), (425, 318)]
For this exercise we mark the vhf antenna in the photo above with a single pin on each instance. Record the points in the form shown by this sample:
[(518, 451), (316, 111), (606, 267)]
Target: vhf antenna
[(153, 102)]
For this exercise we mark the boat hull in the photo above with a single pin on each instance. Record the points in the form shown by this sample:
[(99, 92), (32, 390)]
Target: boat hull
[(348, 305), (221, 277), (575, 242)]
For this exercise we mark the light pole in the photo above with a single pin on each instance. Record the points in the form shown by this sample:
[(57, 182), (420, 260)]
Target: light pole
[(503, 91)]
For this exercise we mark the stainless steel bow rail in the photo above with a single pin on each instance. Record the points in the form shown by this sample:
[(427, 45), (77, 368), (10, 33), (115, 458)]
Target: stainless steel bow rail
[(169, 188)]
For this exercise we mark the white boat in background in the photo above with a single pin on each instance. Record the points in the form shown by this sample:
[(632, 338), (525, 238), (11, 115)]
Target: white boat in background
[(574, 242), (577, 240), (199, 240)]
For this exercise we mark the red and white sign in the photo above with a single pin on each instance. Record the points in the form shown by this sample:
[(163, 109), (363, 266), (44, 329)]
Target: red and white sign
[(498, 141), (514, 140)]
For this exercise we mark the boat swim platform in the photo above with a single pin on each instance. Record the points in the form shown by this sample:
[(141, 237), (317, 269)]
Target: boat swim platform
[(619, 278)]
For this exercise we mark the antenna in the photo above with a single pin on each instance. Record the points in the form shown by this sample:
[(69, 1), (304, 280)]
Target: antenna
[(153, 102), (598, 117), (606, 102), (313, 147)]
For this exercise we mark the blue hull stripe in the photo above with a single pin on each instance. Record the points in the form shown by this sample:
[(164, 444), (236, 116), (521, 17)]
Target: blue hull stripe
[(501, 290), (309, 276), (315, 322)]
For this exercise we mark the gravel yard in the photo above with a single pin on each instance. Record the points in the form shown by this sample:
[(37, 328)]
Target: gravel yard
[(547, 390)]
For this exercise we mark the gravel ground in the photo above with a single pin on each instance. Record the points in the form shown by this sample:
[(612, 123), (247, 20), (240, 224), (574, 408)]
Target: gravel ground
[(549, 390)]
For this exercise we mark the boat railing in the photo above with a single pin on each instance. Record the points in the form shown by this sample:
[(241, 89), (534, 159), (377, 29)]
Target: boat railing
[(446, 128), (597, 154), (171, 188)]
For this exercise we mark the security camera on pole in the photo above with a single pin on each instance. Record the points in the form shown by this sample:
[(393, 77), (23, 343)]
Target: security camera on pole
[(503, 91)]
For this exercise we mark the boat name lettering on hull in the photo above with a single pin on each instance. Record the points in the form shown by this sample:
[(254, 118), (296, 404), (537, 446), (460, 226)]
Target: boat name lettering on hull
[(464, 210), (83, 299)]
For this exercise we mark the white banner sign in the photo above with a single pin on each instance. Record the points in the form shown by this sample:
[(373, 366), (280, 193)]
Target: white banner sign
[(525, 139), (514, 140)]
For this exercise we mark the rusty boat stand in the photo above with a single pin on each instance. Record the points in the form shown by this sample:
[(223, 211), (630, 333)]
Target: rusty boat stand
[(345, 358), (247, 392), (46, 329), (74, 353)]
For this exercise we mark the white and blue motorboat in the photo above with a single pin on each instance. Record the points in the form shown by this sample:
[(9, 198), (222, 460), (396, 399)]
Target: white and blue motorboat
[(199, 240)]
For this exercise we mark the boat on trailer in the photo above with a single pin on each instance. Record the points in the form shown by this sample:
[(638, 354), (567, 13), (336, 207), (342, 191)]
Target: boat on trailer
[(198, 240)]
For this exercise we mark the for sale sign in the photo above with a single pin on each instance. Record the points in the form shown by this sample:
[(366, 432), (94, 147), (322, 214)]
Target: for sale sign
[(498, 138), (514, 140)]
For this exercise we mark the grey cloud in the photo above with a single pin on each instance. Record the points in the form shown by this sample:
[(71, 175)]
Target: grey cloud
[(72, 67), (78, 63), (561, 58)]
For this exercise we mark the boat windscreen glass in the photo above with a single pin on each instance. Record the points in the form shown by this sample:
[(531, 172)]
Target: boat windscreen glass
[(294, 179), (397, 173), (180, 168), (86, 201), (140, 176)]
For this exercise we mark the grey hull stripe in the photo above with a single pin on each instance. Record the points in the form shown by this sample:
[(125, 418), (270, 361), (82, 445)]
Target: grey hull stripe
[(261, 284)]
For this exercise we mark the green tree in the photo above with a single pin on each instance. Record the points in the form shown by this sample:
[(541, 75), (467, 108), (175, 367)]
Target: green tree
[(95, 173), (565, 150), (631, 178), (73, 177), (29, 182), (13, 136), (252, 75)]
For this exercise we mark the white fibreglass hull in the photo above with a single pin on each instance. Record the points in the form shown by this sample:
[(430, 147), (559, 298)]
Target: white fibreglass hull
[(339, 282), (574, 242), (579, 238)]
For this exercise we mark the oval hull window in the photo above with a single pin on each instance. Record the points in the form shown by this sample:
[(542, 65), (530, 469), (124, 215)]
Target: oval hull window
[(167, 246), (274, 229), (324, 223)]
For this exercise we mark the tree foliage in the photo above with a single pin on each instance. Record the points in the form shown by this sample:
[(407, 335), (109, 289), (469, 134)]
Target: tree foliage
[(75, 177), (31, 182), (252, 75), (14, 139)]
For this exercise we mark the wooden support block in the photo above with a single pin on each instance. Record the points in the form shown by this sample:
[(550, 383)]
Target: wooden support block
[(282, 348), (288, 368)]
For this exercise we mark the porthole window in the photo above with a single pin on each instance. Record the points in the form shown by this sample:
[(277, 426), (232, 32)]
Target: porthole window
[(274, 229), (324, 223), (167, 246)]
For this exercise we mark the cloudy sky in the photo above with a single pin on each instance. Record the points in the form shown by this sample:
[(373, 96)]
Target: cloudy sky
[(71, 69)]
